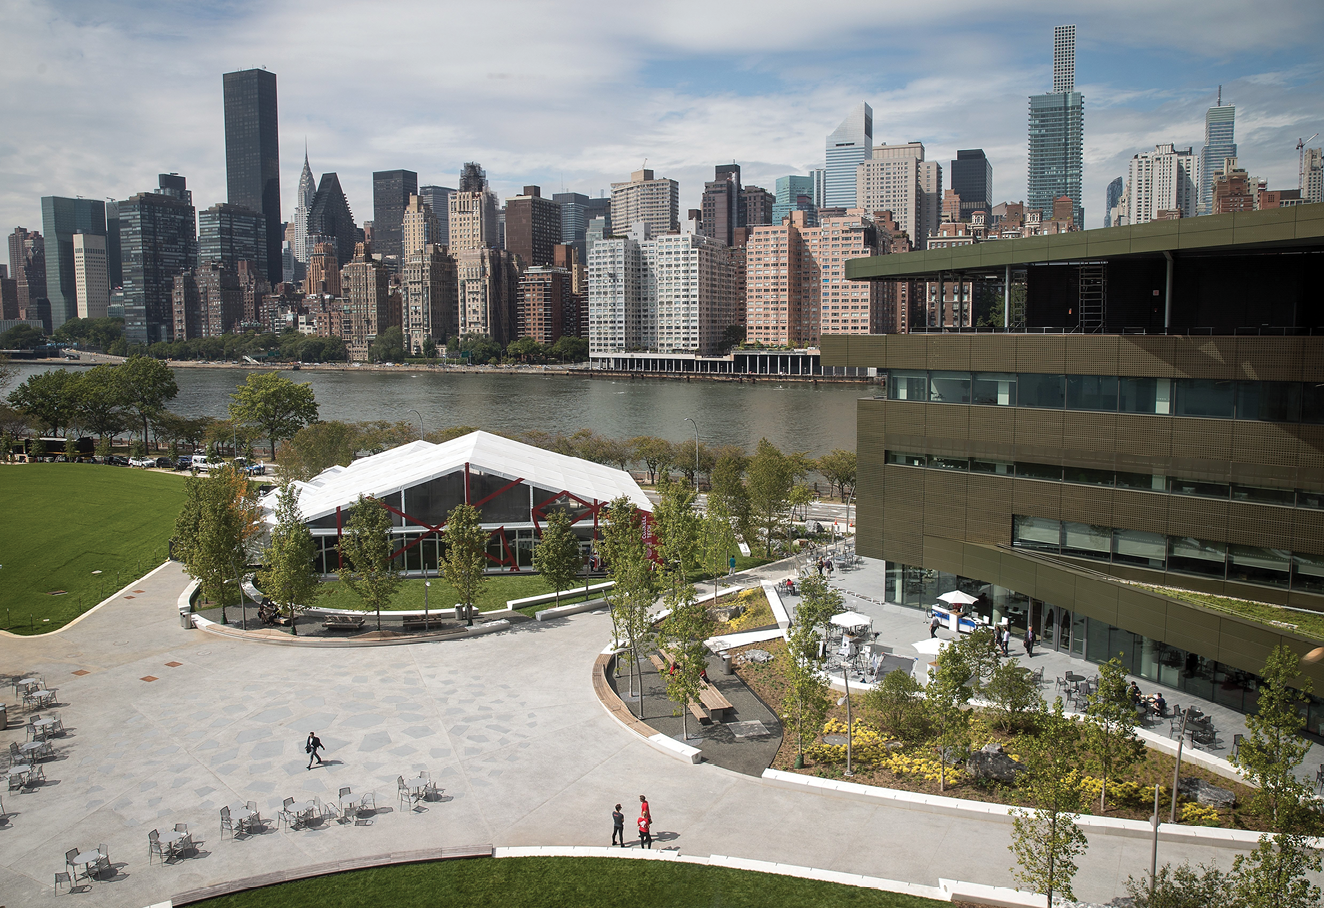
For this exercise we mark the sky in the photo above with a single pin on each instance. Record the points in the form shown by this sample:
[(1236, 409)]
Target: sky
[(98, 98)]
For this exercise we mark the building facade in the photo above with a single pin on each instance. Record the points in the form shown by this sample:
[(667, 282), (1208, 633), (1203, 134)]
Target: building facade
[(91, 275), (488, 290), (438, 199), (231, 234), (848, 146), (577, 211), (473, 213), (693, 290), (1161, 180), (1056, 133), (61, 218), (546, 304), (429, 310), (972, 180), (391, 191), (158, 240), (617, 320), (1113, 197), (330, 220), (419, 227), (1312, 175), (1219, 144), (27, 266), (722, 205), (371, 304), (794, 193), (533, 227), (898, 179), (252, 153), (303, 209), (645, 200)]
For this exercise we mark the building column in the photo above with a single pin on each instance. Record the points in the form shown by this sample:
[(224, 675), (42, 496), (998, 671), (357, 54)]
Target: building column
[(1006, 300), (1167, 293)]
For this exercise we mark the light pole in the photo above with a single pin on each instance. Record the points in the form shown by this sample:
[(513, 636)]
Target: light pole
[(427, 584), (420, 423), (1176, 769), (850, 726), (696, 451)]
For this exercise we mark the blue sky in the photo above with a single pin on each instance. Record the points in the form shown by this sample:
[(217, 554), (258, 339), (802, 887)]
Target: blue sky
[(98, 98)]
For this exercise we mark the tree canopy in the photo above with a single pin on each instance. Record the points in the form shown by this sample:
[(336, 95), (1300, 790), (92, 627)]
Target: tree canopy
[(274, 404)]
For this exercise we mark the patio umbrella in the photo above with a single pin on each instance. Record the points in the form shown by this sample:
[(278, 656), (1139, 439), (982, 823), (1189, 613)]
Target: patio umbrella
[(956, 597)]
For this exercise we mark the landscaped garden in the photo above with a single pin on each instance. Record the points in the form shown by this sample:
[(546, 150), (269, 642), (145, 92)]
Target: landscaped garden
[(75, 533), (581, 882), (493, 594)]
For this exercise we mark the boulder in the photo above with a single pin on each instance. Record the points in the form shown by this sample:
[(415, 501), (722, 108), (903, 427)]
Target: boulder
[(728, 612), (1202, 792), (755, 655), (993, 762)]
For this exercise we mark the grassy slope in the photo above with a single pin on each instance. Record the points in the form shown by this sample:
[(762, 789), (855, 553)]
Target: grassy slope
[(493, 595), (582, 882), (64, 521)]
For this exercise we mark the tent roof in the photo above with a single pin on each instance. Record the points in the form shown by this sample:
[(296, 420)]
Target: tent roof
[(421, 461)]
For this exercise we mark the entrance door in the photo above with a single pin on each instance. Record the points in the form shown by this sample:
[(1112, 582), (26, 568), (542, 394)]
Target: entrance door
[(1056, 629)]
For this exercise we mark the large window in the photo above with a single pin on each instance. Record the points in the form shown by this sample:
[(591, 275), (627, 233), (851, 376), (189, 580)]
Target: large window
[(997, 389), (1188, 555), (1140, 548), (1206, 398), (1040, 533), (1045, 391), (908, 385), (1145, 395), (1254, 564), (1085, 540), (1092, 392), (949, 387)]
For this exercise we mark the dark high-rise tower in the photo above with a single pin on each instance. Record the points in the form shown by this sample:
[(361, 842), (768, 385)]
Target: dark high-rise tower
[(61, 218), (252, 153), (721, 206), (331, 221), (391, 190), (972, 180), (158, 240)]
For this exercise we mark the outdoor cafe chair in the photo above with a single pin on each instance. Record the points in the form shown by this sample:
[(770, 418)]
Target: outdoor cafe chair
[(346, 811), (63, 878), (226, 822), (255, 820), (288, 816), (156, 848), (1236, 744), (402, 793), (103, 862), (69, 859), (35, 775)]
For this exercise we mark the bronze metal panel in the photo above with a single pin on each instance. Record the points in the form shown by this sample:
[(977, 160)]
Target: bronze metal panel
[(1308, 531), (1255, 593), (1312, 360), (1087, 504), (949, 351), (944, 504), (1039, 428), (904, 417), (1207, 357), (1312, 601), (1245, 646), (943, 554), (1202, 439), (995, 425), (1204, 518), (1019, 574), (992, 352), (1267, 443), (1091, 354), (1192, 629), (1097, 599), (1089, 437), (1055, 586), (981, 563), (1147, 511), (1143, 436), (1037, 499), (902, 542), (947, 421), (1146, 355), (1271, 358), (1041, 353), (1142, 615), (1260, 524), (907, 351), (1310, 454)]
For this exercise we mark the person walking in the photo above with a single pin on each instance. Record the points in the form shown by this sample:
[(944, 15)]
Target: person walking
[(643, 808), (645, 834), (934, 624), (312, 747), (1029, 641), (618, 826)]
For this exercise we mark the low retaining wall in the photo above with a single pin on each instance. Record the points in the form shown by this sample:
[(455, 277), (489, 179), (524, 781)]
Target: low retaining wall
[(279, 638), (560, 611), (617, 709)]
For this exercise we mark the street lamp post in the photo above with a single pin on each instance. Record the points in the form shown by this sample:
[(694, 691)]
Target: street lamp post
[(850, 725), (427, 584), (696, 451), (420, 423)]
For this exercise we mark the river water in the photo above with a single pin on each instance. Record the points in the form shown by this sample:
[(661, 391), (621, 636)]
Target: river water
[(795, 416)]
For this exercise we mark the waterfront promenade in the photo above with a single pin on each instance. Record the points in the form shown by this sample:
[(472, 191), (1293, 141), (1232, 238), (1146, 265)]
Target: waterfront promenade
[(507, 724)]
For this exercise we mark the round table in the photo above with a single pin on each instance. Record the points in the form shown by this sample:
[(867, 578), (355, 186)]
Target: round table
[(88, 857)]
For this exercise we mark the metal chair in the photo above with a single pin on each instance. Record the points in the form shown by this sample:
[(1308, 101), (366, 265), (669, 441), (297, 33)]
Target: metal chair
[(346, 812), (226, 822), (63, 878), (1236, 745), (69, 860), (35, 775), (103, 862), (255, 821), (1319, 778), (287, 816), (402, 793), (155, 847)]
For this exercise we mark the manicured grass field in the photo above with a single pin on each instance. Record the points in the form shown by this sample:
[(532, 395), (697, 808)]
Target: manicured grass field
[(578, 882), (62, 521), (494, 594)]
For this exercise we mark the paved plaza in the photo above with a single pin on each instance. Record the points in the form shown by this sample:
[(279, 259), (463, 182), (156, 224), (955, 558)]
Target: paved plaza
[(167, 725)]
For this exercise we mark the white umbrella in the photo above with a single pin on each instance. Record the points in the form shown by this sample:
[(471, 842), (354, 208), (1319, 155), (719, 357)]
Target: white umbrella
[(931, 646), (851, 619), (956, 597)]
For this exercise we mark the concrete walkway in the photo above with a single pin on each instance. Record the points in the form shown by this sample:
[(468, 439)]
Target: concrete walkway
[(167, 725)]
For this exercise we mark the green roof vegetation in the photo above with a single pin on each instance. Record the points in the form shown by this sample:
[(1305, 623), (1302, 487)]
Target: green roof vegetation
[(1305, 624)]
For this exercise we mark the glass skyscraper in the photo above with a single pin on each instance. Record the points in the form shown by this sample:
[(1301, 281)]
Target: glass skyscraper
[(158, 240), (61, 218), (252, 154), (795, 193), (972, 180), (848, 146), (391, 190), (1057, 130), (1115, 189), (1219, 143), (230, 234)]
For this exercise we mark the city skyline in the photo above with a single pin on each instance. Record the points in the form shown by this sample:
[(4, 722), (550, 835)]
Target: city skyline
[(682, 96)]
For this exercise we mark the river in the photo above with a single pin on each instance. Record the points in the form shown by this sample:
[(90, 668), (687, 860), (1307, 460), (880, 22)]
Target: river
[(795, 416)]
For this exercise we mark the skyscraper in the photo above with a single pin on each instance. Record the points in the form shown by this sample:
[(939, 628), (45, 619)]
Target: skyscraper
[(252, 153), (1219, 144), (303, 207), (429, 304), (114, 270), (91, 280), (418, 228), (1312, 175), (972, 180), (391, 190), (158, 240), (533, 227), (849, 145), (721, 204), (472, 212), (231, 234), (1115, 189), (330, 219), (655, 202), (438, 199), (1056, 133), (1162, 180), (794, 193), (756, 203), (27, 265), (898, 179), (577, 210), (61, 218)]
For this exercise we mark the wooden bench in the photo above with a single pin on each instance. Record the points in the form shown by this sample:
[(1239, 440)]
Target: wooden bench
[(343, 622), (417, 623), (716, 704), (658, 663)]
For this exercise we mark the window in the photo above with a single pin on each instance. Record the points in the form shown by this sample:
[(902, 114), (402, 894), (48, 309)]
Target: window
[(1195, 487), (1038, 533), (906, 460), (1260, 495), (1144, 395), (1308, 573), (1085, 540), (908, 385), (949, 387), (1139, 548), (1143, 482), (1087, 476), (991, 466), (1188, 555), (1048, 471), (1205, 397), (1255, 564), (994, 389), (1092, 392), (1270, 401), (949, 463), (1312, 402), (1035, 390)]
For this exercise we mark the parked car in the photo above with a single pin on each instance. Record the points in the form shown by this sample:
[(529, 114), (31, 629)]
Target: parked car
[(199, 462), (116, 460), (164, 463), (185, 462), (252, 469), (142, 462)]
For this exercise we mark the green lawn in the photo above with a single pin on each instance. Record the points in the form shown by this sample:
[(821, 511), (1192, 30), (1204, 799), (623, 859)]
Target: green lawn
[(494, 594), (581, 882), (62, 521)]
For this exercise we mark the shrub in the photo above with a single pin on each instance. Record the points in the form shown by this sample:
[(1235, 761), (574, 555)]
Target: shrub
[(1200, 815)]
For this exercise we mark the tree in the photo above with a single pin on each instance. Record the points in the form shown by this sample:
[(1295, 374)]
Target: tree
[(656, 454), (838, 468), (678, 530), (1046, 840), (771, 475), (213, 532), (977, 651), (682, 634), (22, 337), (145, 385), (366, 547), (96, 398), (947, 694), (389, 347), (317, 447), (524, 349), (276, 405), (634, 589), (717, 541), (287, 575), (466, 555), (808, 696), (801, 497), (1273, 747), (556, 556), (570, 349), (898, 706), (728, 488), (1109, 727), (1181, 887), (818, 603), (1014, 694), (48, 398), (7, 372), (1274, 874)]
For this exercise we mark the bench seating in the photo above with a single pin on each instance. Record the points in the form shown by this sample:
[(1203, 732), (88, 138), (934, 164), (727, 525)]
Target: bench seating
[(716, 704), (416, 622), (343, 622)]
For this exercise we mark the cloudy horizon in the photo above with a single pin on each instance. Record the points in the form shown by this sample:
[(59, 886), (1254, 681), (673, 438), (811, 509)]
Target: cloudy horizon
[(100, 99)]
